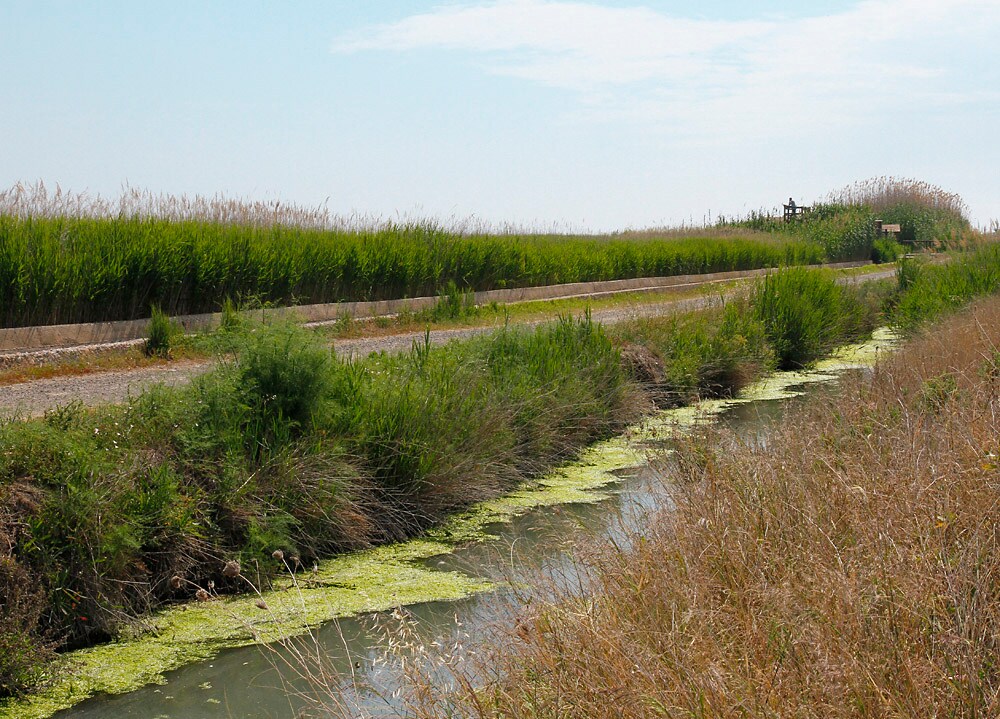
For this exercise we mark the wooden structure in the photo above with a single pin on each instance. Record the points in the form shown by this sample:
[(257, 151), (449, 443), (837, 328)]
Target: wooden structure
[(793, 211), (885, 230), (893, 230)]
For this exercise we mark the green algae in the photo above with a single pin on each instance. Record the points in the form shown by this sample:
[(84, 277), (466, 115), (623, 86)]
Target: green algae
[(389, 576), (373, 580)]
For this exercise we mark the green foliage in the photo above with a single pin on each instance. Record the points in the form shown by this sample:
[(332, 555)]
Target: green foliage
[(886, 250), (844, 225), (843, 232), (804, 314), (926, 224), (162, 333), (928, 291), (711, 353), (286, 447), (282, 379), (60, 270), (454, 304)]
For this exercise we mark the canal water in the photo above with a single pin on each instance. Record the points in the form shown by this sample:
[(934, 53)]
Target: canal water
[(258, 682)]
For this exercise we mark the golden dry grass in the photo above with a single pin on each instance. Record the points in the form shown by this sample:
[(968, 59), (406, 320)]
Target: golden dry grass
[(847, 568), (883, 192)]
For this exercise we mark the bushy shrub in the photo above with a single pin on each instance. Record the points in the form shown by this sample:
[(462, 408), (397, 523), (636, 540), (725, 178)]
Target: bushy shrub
[(804, 314), (283, 378), (161, 334), (886, 250)]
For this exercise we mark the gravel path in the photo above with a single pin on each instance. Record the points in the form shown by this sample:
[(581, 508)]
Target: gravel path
[(32, 399)]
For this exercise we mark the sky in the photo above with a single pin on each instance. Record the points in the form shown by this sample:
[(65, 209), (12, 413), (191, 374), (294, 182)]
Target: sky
[(581, 115)]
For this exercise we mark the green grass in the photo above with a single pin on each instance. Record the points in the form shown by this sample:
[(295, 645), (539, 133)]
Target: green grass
[(61, 270), (805, 314), (928, 291)]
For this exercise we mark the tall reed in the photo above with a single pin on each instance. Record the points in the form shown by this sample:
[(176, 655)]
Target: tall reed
[(66, 258)]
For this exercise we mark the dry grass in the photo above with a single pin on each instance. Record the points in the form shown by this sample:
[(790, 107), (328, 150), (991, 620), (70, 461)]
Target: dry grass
[(849, 568), (25, 200), (881, 193), (42, 366)]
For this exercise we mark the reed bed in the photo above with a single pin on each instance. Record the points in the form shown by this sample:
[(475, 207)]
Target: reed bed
[(844, 222), (62, 271), (68, 258)]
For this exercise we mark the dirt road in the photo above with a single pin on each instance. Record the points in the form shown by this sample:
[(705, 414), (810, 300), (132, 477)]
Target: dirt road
[(31, 399)]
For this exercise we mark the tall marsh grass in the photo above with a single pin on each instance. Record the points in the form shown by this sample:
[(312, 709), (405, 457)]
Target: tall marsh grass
[(928, 291), (66, 258), (844, 222)]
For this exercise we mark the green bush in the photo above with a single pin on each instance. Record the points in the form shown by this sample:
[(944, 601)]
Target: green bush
[(804, 314), (703, 354), (283, 375), (161, 335), (886, 250)]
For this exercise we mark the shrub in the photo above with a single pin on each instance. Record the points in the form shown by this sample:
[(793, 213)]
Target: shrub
[(162, 332), (886, 250), (703, 354), (804, 314), (283, 378)]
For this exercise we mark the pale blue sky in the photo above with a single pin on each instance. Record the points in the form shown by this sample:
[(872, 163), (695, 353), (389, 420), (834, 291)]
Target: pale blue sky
[(596, 115)]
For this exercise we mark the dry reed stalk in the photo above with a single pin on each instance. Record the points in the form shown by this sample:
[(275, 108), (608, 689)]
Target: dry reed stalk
[(880, 193), (848, 567)]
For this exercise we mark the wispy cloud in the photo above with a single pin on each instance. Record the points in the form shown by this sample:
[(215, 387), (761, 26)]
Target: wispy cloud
[(708, 75)]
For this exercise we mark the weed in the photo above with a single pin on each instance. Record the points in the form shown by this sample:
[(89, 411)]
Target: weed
[(162, 332), (804, 314)]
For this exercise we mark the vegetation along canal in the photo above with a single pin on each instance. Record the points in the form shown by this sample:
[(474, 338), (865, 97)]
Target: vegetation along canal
[(605, 492)]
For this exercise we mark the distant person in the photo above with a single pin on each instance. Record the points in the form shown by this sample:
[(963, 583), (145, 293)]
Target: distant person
[(791, 205)]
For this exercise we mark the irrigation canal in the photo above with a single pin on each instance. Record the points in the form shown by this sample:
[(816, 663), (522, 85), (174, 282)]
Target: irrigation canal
[(257, 682)]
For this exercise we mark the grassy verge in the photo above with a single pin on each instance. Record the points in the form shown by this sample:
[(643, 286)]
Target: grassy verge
[(929, 291), (848, 567), (285, 448)]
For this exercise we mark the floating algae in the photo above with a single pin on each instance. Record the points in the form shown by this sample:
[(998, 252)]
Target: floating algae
[(369, 581), (389, 576)]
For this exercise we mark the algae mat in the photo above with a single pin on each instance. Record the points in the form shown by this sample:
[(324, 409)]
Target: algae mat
[(384, 577)]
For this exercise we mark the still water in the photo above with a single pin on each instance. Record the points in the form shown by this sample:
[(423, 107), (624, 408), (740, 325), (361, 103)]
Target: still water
[(265, 683)]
